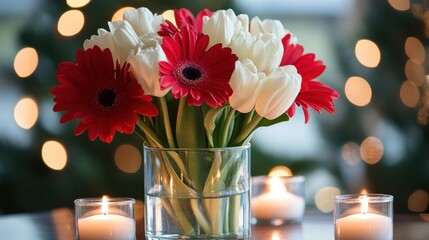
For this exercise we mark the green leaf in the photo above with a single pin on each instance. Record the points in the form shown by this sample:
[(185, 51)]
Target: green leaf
[(210, 120), (190, 129), (265, 122)]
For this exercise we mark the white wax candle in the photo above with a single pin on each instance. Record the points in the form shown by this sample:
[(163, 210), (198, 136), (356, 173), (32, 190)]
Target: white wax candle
[(369, 226), (277, 203), (364, 225), (106, 227)]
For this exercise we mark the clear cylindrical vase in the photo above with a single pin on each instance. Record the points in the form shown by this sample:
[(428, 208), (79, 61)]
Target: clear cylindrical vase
[(197, 193)]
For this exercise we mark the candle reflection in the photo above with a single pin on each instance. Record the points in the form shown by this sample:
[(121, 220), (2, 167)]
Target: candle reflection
[(285, 232)]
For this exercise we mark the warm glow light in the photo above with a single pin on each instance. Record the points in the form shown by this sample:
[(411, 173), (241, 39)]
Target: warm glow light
[(128, 158), (77, 3), (26, 113), (424, 216), (104, 206), (169, 15), (371, 150), (409, 94), (276, 185), (358, 91), (418, 201), (26, 61), (415, 72), (70, 23), (281, 171), (119, 15), (364, 204), (59, 217), (323, 198), (367, 53), (364, 191), (415, 50), (422, 116), (275, 236), (400, 5), (351, 154), (54, 155)]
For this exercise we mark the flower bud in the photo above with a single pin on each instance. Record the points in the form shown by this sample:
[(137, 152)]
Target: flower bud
[(278, 92), (246, 84)]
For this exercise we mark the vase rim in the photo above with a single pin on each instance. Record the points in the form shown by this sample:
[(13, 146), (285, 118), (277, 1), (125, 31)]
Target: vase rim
[(246, 146)]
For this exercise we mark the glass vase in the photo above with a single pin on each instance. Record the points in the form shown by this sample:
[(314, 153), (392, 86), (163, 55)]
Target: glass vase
[(197, 193)]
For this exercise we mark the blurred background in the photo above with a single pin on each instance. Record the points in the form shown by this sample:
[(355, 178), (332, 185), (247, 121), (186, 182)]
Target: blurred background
[(378, 139)]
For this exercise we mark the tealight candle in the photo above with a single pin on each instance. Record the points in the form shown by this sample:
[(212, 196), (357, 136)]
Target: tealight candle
[(278, 200), (105, 219), (363, 217)]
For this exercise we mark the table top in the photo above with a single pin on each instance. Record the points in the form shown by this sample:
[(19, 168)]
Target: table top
[(58, 224)]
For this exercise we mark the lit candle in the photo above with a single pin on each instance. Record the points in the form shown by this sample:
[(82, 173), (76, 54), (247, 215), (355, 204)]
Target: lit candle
[(278, 203), (364, 225), (106, 226)]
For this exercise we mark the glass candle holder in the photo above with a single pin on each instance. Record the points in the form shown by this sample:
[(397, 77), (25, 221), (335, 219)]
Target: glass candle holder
[(277, 200), (363, 217), (105, 218)]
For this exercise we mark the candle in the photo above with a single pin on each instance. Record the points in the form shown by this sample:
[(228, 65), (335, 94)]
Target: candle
[(364, 225), (106, 226), (278, 203)]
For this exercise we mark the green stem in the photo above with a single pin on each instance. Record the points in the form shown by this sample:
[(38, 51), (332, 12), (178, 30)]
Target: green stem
[(167, 124), (247, 130), (225, 130), (182, 105), (150, 134)]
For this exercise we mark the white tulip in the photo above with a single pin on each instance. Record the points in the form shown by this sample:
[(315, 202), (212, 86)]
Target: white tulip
[(103, 40), (223, 24), (265, 50), (246, 84), (145, 67), (278, 92), (125, 39), (120, 40), (143, 20)]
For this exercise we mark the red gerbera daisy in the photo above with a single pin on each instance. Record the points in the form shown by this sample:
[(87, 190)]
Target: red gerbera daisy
[(184, 17), (313, 94), (105, 98), (191, 70)]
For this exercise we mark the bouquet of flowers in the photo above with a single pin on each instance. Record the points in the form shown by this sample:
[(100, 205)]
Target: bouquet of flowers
[(205, 81)]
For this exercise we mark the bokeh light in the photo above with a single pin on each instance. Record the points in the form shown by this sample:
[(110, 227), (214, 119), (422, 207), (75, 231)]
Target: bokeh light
[(280, 171), (71, 23), (418, 201), (128, 158), (409, 93), (358, 91), (400, 5), (371, 150), (169, 15), (323, 198), (26, 61), (415, 50), (26, 113), (351, 153), (415, 72), (367, 53), (119, 15), (77, 3), (54, 155)]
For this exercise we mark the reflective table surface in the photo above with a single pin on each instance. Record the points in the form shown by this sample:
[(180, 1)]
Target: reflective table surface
[(58, 224)]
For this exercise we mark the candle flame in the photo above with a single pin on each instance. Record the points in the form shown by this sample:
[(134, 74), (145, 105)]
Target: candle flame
[(276, 185), (104, 207), (364, 204), (364, 191), (280, 171), (275, 236)]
